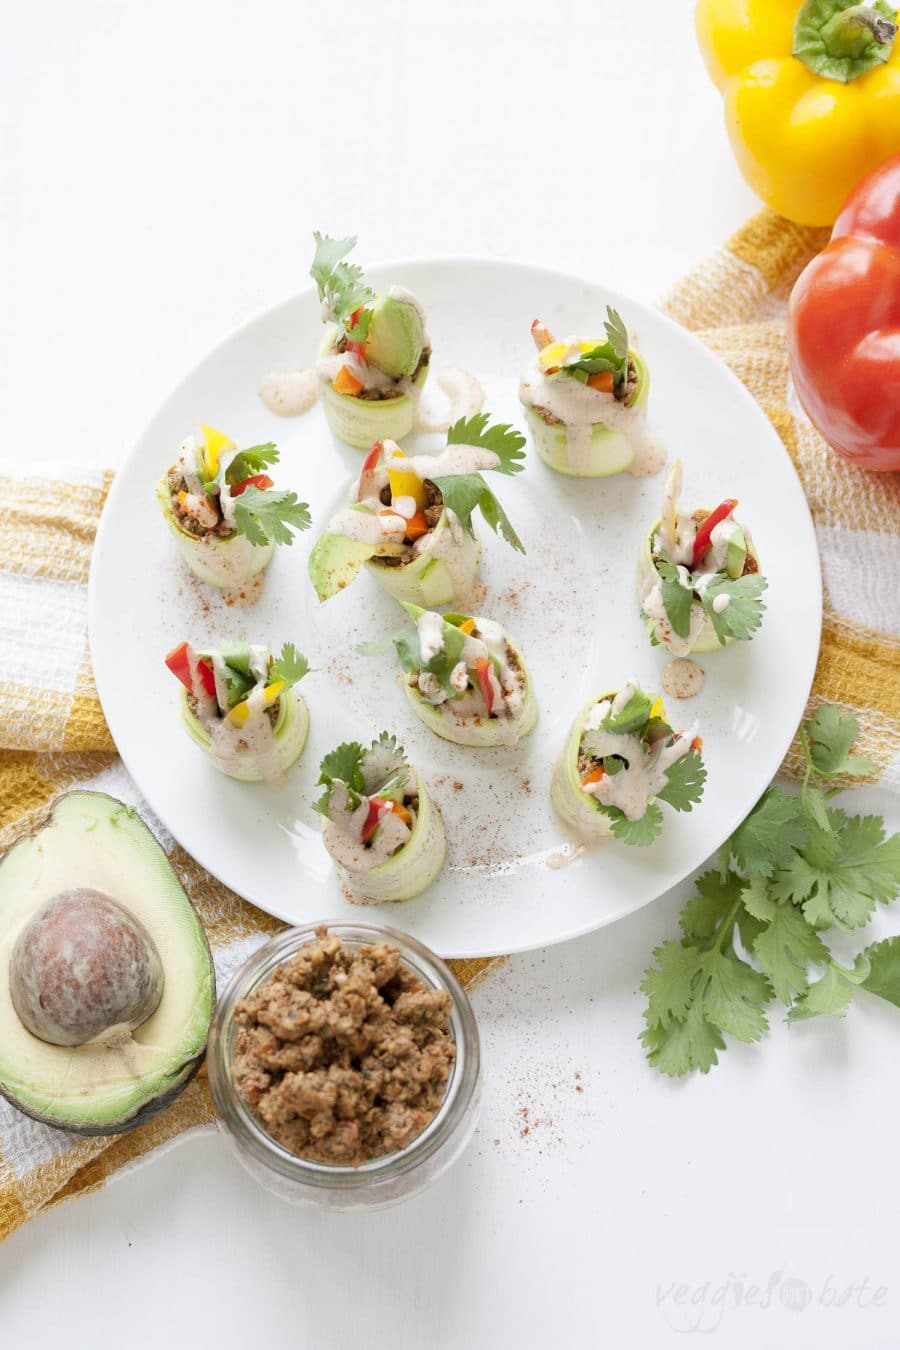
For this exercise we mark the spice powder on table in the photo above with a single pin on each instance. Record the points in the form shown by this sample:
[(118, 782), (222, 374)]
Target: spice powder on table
[(342, 1053)]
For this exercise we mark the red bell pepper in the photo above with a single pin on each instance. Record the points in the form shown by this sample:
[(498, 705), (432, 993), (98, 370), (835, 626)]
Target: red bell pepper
[(377, 808), (179, 664), (844, 327), (358, 347), (258, 480), (704, 533), (366, 486), (483, 670)]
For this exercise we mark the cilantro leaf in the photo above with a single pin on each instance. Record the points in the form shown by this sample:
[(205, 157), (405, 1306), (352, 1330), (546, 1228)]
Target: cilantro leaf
[(342, 765), (677, 597), (669, 986), (743, 613), (341, 284), (384, 766), (680, 1046), (291, 666), (251, 461), (833, 992), (639, 833), (830, 733), (501, 439), (786, 946), (735, 996), (684, 782), (409, 650), (632, 716), (267, 515), (840, 875), (464, 492), (706, 911), (767, 838), (883, 978)]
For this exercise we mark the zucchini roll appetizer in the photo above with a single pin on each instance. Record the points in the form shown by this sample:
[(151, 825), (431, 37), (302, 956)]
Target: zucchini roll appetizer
[(225, 511), (621, 759), (243, 708), (381, 827), (585, 400), (375, 351), (698, 576), (410, 517), (465, 679)]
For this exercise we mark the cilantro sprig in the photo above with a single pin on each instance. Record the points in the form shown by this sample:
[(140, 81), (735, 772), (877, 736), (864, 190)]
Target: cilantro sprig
[(465, 493), (341, 286), (409, 650), (380, 770), (741, 615), (611, 355), (753, 932), (290, 666), (252, 460), (267, 515)]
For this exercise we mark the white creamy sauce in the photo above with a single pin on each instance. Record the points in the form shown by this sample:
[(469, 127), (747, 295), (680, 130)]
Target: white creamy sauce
[(290, 392), (342, 834), (370, 377), (431, 635), (465, 395), (564, 857), (231, 743), (455, 459), (187, 463), (721, 603), (581, 408), (682, 678), (468, 704), (632, 788), (367, 526)]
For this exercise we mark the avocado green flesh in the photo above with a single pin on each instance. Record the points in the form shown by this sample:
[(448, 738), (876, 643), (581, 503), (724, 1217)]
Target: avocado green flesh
[(736, 555), (93, 841), (396, 336), (337, 558)]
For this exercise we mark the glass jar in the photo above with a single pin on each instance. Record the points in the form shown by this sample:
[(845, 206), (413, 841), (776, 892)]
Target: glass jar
[(380, 1181)]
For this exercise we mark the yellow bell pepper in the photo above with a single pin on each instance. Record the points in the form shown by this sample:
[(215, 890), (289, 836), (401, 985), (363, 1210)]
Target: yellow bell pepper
[(214, 443), (812, 95), (241, 711), (404, 482)]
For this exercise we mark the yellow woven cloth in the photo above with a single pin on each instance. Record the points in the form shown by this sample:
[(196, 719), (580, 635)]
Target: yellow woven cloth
[(53, 737)]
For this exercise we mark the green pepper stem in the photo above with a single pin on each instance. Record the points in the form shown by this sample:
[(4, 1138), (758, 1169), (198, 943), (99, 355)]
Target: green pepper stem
[(849, 32), (841, 40)]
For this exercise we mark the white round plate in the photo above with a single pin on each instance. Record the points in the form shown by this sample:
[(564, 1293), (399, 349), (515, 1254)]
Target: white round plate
[(570, 603)]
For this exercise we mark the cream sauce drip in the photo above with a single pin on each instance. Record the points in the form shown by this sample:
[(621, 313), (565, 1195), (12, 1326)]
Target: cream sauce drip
[(682, 678), (639, 780), (465, 395), (290, 392)]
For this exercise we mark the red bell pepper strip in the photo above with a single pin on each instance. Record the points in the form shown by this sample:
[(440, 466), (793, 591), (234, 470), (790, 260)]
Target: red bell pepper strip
[(483, 670), (358, 347), (844, 327), (179, 664), (377, 808), (704, 533), (258, 480), (366, 483)]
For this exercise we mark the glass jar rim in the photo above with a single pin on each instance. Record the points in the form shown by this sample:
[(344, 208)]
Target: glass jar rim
[(235, 1114)]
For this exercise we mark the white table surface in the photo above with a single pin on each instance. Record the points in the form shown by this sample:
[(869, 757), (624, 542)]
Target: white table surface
[(163, 167)]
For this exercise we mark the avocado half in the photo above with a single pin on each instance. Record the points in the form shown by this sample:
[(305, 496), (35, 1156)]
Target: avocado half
[(91, 841)]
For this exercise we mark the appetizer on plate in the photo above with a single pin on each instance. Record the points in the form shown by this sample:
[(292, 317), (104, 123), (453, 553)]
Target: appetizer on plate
[(375, 352), (242, 707), (381, 827), (585, 400), (410, 517), (225, 511), (621, 759), (698, 576), (465, 678)]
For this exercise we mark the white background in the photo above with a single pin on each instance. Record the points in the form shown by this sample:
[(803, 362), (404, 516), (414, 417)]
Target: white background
[(163, 166)]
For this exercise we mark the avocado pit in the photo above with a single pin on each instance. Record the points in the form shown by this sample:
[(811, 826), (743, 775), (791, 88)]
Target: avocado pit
[(83, 970)]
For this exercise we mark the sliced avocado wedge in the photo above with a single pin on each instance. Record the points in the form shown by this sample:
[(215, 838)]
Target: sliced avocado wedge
[(336, 560), (127, 1072), (736, 555), (396, 337)]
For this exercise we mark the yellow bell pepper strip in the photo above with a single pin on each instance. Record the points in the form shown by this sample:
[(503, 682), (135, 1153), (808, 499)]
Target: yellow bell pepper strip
[(241, 711), (214, 442), (812, 95), (405, 483)]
